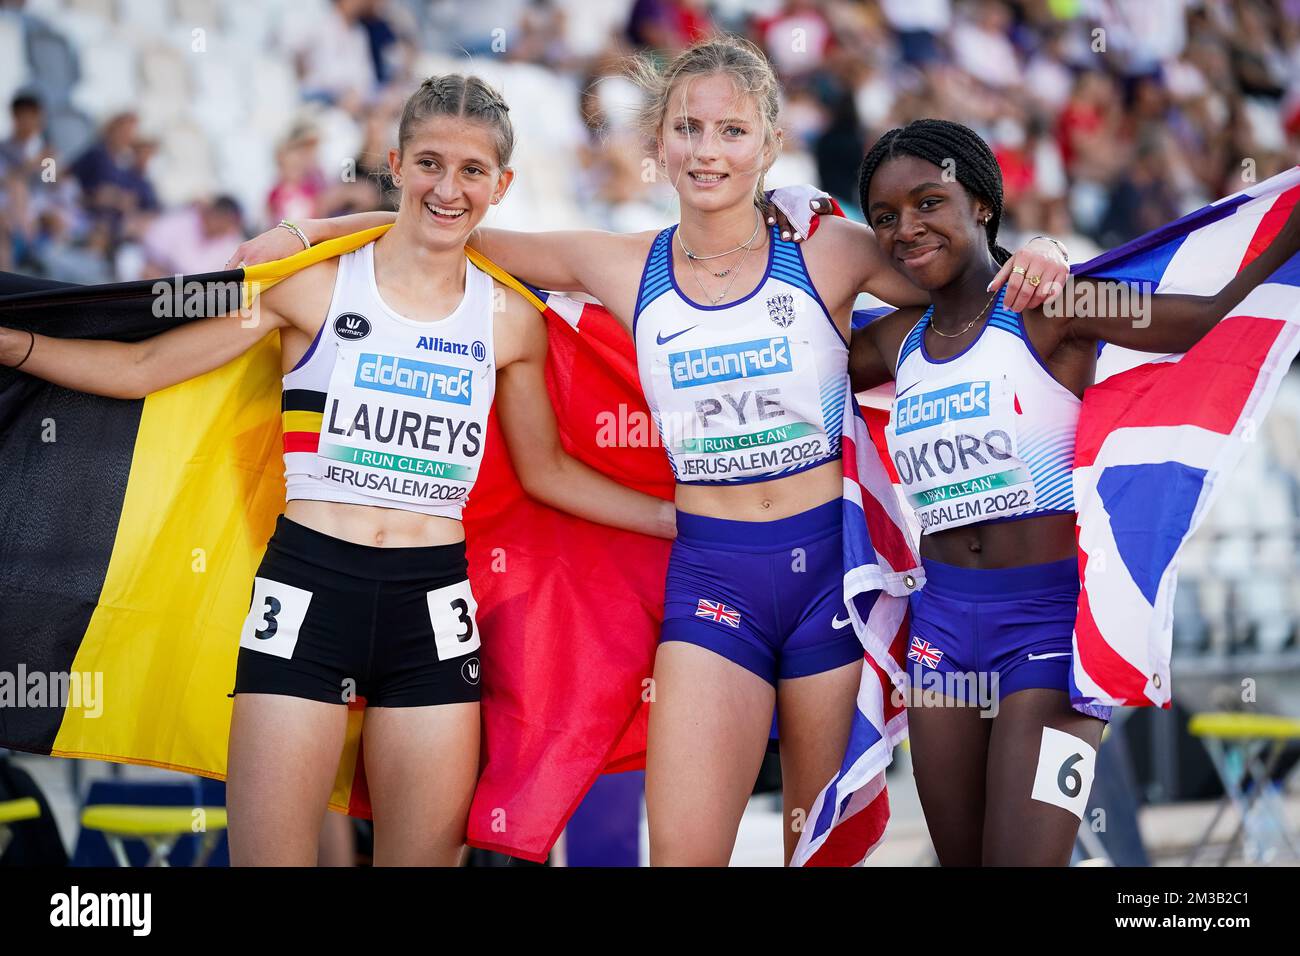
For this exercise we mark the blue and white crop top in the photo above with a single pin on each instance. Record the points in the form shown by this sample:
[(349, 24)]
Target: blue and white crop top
[(986, 434), (746, 391)]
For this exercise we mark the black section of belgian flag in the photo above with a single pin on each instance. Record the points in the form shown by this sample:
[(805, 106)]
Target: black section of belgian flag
[(302, 400), (65, 457)]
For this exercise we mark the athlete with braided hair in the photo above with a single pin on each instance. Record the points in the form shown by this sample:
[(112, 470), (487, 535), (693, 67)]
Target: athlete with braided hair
[(982, 434)]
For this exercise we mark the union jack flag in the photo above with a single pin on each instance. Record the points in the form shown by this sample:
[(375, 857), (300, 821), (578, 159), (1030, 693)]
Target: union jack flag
[(881, 568), (1158, 434), (716, 611), (923, 652)]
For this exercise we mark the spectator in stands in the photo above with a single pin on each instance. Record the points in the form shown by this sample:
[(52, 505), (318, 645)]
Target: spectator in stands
[(301, 184), (114, 179), (981, 45), (302, 190), (540, 36), (381, 38), (839, 151), (194, 239), (374, 182), (58, 254), (24, 153), (1259, 63), (667, 25), (1142, 197), (919, 24), (797, 38), (334, 59)]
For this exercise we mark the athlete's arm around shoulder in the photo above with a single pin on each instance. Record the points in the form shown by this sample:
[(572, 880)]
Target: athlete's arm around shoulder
[(131, 370), (606, 265), (844, 258), (546, 471)]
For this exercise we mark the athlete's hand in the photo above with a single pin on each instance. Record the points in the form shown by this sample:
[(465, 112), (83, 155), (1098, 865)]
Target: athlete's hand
[(795, 210), (275, 243), (1033, 275)]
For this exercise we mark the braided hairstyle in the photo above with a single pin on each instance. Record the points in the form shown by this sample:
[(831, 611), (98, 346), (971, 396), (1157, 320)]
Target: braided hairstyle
[(453, 94), (944, 143)]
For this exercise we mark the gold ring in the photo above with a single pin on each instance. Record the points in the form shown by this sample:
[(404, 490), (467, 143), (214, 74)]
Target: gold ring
[(1034, 280), (1019, 270)]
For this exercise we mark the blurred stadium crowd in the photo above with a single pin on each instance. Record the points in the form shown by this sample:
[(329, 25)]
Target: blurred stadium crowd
[(147, 137)]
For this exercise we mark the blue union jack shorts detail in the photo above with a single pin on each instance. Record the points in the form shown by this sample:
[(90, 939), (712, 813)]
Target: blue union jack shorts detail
[(923, 652), (1013, 624), (766, 595), (718, 612)]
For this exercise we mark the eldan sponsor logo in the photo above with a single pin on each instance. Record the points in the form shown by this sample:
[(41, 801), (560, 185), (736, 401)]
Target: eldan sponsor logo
[(967, 400), (402, 376), (724, 363)]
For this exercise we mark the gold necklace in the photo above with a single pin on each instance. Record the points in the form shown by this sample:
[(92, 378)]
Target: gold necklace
[(718, 255), (970, 325), (723, 294)]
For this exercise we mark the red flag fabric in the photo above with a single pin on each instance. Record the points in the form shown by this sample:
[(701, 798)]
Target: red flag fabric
[(564, 693)]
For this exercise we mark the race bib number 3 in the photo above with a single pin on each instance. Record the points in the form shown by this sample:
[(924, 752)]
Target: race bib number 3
[(275, 618), (453, 616)]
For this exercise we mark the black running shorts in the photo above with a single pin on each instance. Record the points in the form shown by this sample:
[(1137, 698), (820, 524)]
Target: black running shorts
[(337, 622)]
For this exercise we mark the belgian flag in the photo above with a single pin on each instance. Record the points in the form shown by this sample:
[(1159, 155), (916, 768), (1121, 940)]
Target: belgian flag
[(130, 532)]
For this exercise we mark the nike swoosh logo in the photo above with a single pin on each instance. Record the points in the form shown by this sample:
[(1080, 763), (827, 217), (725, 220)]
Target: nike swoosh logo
[(1043, 657), (665, 339), (838, 624), (906, 390)]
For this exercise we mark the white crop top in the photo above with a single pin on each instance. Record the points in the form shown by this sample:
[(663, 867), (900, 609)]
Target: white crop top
[(383, 410)]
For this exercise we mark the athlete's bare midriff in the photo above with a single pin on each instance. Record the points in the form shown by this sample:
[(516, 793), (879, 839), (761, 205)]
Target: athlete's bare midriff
[(374, 526), (1004, 544), (765, 500)]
